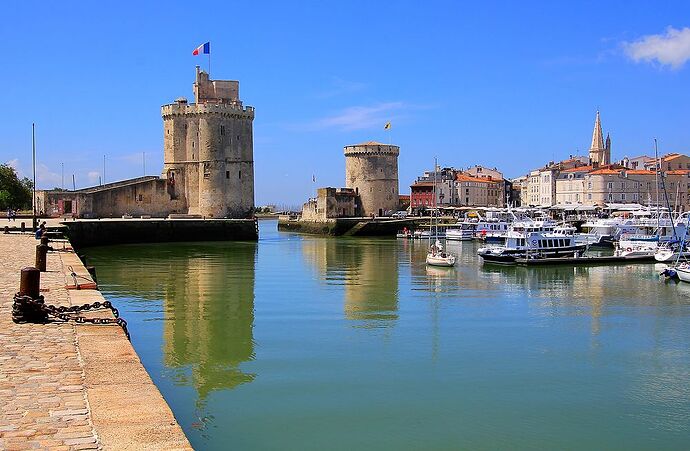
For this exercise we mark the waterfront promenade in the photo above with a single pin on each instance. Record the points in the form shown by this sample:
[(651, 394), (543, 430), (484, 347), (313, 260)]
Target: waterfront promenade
[(68, 386)]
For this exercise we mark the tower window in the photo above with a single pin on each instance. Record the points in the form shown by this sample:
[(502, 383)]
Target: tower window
[(222, 129), (239, 174), (227, 174)]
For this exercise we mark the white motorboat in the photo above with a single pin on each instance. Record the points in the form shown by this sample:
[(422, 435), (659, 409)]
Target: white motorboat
[(464, 233), (636, 249), (668, 252), (531, 239)]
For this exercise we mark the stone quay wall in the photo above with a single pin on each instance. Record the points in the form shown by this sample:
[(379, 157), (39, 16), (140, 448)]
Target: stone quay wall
[(102, 232), (67, 386)]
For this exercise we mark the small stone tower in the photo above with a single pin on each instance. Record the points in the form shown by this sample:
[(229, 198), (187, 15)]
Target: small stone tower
[(371, 169), (599, 153), (209, 150)]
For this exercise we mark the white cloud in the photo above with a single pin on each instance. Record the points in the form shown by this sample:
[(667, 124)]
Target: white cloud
[(93, 176), (46, 178), (360, 117), (14, 164), (669, 49)]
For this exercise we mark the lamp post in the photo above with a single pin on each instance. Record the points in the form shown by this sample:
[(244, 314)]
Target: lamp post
[(33, 161)]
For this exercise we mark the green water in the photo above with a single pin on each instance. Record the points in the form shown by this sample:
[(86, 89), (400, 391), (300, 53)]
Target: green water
[(299, 342)]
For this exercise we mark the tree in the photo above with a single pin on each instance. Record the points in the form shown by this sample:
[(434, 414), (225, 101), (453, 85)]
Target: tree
[(14, 193)]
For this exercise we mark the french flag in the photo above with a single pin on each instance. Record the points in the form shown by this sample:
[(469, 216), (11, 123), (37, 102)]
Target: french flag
[(203, 49)]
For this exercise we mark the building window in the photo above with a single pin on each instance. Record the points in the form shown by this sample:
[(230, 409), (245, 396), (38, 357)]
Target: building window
[(589, 196), (610, 185), (623, 196), (227, 174), (222, 129), (239, 174)]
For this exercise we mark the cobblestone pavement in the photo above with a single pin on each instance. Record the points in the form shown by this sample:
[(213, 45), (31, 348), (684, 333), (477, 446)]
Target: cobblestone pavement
[(42, 395), (59, 390)]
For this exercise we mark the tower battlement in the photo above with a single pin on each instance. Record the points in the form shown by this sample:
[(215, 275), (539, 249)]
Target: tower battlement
[(372, 148), (234, 109)]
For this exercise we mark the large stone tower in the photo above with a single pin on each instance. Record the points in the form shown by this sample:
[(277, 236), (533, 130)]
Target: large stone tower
[(371, 169), (599, 153), (209, 150)]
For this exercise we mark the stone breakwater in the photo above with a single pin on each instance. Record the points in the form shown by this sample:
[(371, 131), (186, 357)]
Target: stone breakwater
[(67, 386)]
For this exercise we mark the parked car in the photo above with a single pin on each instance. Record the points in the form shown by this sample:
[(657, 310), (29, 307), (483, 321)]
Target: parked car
[(399, 214)]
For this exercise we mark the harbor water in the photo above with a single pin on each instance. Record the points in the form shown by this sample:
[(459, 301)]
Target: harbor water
[(301, 342)]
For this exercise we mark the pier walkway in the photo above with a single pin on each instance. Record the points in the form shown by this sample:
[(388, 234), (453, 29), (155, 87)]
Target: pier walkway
[(67, 386)]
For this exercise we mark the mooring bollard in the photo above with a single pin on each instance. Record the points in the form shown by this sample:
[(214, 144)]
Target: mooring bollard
[(7, 230), (42, 256), (23, 227), (45, 240), (30, 282)]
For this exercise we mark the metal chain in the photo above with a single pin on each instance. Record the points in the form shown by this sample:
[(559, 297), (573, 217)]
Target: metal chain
[(27, 309)]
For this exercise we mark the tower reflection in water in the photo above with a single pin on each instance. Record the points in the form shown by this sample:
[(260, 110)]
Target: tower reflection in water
[(367, 271), (209, 313)]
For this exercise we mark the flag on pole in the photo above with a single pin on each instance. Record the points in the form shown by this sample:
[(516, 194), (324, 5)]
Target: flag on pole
[(203, 49), (387, 126), (313, 178)]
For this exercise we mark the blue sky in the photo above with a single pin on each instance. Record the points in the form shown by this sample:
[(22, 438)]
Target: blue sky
[(506, 84)]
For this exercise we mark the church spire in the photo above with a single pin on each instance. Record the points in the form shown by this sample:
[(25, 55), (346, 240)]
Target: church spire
[(597, 150)]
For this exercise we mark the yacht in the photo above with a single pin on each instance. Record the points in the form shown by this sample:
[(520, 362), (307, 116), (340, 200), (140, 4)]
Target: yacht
[(463, 233), (532, 239), (437, 256)]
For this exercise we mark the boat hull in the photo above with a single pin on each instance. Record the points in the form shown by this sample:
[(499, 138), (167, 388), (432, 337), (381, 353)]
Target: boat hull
[(683, 274), (508, 256), (446, 262)]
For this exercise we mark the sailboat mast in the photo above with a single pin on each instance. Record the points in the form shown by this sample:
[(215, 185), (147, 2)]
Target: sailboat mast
[(656, 177)]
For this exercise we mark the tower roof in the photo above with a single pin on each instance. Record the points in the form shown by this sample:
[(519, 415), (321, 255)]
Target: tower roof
[(597, 136)]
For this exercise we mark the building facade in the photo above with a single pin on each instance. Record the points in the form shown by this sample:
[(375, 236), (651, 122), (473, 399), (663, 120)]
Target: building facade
[(616, 184)]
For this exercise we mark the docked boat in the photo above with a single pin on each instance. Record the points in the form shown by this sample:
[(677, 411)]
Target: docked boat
[(670, 252), (463, 233), (531, 239)]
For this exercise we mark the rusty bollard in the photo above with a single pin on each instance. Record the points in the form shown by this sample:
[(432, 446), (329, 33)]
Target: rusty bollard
[(23, 227), (28, 305), (42, 256), (45, 240), (30, 282), (7, 230)]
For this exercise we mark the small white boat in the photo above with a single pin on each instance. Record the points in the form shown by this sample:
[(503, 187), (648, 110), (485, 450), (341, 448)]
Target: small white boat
[(437, 256), (636, 249), (667, 253)]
